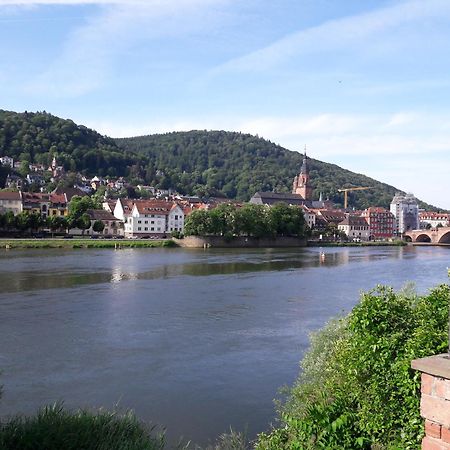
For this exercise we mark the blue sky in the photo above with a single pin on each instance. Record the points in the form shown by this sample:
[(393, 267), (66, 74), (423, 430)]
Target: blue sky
[(364, 84)]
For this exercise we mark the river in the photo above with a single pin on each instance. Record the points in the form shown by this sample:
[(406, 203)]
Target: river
[(195, 340)]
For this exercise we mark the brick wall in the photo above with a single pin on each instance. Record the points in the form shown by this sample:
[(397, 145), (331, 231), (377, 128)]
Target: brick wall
[(435, 401)]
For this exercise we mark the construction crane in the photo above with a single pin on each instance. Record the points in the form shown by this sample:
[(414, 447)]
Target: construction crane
[(347, 190)]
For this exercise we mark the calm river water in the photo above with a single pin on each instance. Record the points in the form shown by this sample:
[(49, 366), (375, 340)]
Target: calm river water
[(195, 340)]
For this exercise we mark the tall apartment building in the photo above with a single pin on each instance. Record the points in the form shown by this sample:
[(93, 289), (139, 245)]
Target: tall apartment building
[(406, 212)]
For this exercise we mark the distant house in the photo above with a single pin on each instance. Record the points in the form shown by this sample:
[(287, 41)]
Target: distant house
[(7, 161), (355, 228), (381, 222), (154, 218), (433, 219), (123, 209), (330, 216), (69, 192), (59, 206), (10, 202), (14, 182), (112, 225), (36, 203), (34, 178)]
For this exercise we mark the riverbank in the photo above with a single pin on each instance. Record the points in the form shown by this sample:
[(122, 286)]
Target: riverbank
[(84, 243), (357, 244)]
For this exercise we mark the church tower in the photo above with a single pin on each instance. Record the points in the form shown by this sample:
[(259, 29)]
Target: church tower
[(301, 184)]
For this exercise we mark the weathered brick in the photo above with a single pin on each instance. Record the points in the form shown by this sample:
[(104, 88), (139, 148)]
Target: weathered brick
[(432, 429), (427, 384), (435, 409), (434, 444), (445, 435), (441, 388)]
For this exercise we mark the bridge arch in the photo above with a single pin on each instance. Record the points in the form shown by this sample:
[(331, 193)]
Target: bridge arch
[(423, 238), (445, 238)]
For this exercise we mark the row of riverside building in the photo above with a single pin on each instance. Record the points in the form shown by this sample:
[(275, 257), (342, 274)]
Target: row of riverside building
[(374, 223), (159, 218)]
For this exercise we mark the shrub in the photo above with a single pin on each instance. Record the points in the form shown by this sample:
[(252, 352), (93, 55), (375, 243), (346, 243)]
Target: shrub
[(357, 388)]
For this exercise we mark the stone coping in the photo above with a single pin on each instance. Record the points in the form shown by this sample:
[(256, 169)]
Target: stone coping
[(437, 365)]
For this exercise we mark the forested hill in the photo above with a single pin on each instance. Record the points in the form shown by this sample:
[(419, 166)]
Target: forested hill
[(196, 162), (238, 165), (37, 137)]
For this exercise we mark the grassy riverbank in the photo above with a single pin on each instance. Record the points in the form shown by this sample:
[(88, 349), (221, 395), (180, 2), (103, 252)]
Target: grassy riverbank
[(84, 243), (357, 244)]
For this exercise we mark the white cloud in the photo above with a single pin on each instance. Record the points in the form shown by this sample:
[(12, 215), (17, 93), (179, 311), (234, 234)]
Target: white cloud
[(91, 51), (337, 34), (65, 2)]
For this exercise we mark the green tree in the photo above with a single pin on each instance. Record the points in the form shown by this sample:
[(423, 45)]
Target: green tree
[(56, 223), (287, 220), (84, 222), (98, 226)]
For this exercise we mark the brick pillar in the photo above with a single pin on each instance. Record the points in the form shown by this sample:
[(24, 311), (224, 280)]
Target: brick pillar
[(435, 400)]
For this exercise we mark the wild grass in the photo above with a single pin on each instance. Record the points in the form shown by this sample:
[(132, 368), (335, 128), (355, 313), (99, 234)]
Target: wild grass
[(54, 428), (84, 243)]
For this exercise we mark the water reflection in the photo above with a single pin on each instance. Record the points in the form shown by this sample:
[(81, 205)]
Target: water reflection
[(130, 265)]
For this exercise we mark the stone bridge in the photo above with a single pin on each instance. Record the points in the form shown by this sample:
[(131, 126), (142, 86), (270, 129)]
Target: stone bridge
[(440, 235)]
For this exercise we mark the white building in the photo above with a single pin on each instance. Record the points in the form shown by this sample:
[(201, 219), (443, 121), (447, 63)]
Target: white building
[(355, 228), (7, 161), (406, 212), (310, 217), (11, 202), (433, 219), (153, 218)]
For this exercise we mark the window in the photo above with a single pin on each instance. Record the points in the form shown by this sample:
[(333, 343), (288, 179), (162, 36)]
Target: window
[(139, 228), (152, 229), (146, 221), (176, 217), (139, 221), (146, 229)]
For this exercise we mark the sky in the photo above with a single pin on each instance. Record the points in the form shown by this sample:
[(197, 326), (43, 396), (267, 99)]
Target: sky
[(363, 84)]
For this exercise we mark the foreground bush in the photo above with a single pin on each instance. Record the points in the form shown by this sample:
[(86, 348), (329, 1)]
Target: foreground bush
[(53, 428), (357, 390)]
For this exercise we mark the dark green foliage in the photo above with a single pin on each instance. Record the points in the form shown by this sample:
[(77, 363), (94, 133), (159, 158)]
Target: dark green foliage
[(98, 226), (38, 137), (56, 223), (53, 428), (357, 388), (23, 221), (249, 220)]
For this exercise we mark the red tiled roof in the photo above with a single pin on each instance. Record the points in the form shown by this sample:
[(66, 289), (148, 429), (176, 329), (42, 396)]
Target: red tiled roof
[(8, 195), (154, 207)]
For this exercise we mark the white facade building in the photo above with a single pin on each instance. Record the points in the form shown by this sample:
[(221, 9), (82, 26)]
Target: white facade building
[(11, 202), (154, 218), (406, 212), (355, 228), (434, 219)]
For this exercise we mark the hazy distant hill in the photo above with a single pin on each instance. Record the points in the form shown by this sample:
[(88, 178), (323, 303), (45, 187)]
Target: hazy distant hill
[(194, 162)]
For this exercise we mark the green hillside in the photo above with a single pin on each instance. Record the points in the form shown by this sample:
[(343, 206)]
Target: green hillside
[(238, 165), (211, 163), (37, 137)]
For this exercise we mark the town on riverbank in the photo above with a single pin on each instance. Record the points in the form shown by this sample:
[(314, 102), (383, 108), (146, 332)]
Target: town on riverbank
[(90, 211)]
